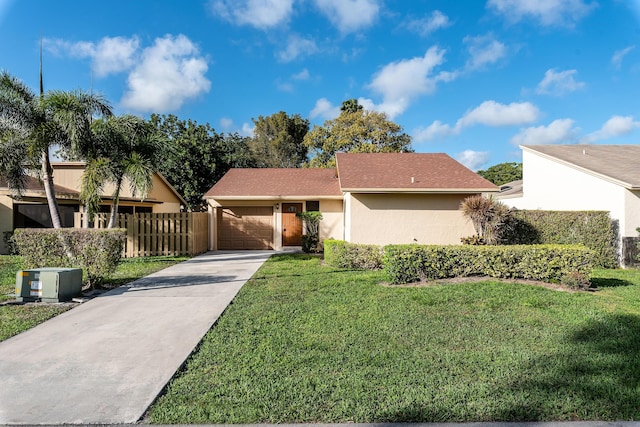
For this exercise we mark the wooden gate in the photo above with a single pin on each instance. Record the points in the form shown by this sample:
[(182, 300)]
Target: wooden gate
[(155, 234)]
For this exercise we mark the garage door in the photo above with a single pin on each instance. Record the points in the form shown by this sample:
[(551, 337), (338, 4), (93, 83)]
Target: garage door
[(245, 227)]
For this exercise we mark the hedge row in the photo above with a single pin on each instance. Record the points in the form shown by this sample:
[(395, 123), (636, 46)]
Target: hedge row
[(96, 251), (550, 263), (593, 229), (341, 254)]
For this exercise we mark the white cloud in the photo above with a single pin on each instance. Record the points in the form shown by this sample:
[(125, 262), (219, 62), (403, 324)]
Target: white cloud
[(297, 47), (489, 113), (558, 131), (431, 23), (226, 124), (484, 50), (247, 130), (619, 55), (435, 130), (399, 82), (302, 75), (350, 15), (261, 14), (170, 72), (492, 113), (615, 126), (110, 55), (546, 12), (473, 159), (559, 83), (324, 109)]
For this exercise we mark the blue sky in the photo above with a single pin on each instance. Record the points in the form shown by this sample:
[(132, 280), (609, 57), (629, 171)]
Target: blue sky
[(471, 78)]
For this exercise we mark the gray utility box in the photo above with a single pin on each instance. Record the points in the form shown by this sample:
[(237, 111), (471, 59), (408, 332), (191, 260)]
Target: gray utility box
[(48, 284)]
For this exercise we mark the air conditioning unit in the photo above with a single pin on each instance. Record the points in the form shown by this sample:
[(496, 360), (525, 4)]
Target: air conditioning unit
[(48, 284)]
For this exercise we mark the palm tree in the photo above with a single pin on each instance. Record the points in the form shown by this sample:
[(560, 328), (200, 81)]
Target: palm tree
[(30, 125), (125, 148)]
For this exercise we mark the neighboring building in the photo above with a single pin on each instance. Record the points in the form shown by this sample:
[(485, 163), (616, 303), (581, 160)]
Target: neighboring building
[(581, 177), (376, 198), (31, 211)]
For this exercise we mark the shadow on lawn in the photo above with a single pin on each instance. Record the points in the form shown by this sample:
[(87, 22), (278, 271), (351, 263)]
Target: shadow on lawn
[(609, 282), (595, 377)]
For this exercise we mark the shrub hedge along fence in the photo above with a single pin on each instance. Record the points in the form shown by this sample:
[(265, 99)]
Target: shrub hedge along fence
[(549, 263), (593, 229), (412, 263), (97, 252), (341, 254)]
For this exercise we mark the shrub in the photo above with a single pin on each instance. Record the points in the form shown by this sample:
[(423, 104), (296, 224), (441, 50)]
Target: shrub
[(473, 240), (341, 254), (593, 229), (311, 221), (9, 243), (576, 280), (488, 216), (96, 251), (410, 263)]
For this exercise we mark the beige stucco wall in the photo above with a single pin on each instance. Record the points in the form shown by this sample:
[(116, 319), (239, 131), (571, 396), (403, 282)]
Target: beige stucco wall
[(70, 176), (6, 219), (331, 226), (382, 219)]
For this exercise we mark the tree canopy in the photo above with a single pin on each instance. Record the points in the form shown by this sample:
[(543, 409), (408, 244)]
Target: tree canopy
[(355, 130), (197, 156), (125, 147), (502, 173), (31, 124), (278, 141)]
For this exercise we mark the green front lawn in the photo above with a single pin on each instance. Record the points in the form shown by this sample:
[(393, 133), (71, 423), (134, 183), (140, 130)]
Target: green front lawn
[(17, 318), (308, 343)]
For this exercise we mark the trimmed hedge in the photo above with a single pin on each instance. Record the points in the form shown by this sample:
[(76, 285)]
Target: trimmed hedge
[(550, 263), (593, 229), (341, 254), (96, 251)]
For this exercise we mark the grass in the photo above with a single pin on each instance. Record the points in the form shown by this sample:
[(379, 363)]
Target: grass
[(18, 318), (308, 343)]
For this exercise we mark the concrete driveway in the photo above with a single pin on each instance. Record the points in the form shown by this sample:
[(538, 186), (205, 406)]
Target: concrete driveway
[(106, 360)]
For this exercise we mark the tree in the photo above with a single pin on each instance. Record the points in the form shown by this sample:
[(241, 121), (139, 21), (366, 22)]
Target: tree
[(488, 216), (278, 141), (197, 157), (125, 148), (30, 125), (350, 106), (355, 130), (502, 173)]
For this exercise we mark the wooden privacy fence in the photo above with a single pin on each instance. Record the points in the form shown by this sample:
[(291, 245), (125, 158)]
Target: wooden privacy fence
[(154, 234)]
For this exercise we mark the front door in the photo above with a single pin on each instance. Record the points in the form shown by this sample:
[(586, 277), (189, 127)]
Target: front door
[(291, 225)]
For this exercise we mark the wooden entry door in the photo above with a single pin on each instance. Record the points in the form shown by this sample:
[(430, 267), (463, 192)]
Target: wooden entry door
[(291, 225)]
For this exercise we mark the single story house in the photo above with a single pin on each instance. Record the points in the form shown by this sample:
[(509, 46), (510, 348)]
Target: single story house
[(32, 211), (374, 198), (580, 177)]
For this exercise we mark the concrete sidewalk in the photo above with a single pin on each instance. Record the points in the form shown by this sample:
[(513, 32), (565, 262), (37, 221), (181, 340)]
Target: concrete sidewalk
[(106, 360)]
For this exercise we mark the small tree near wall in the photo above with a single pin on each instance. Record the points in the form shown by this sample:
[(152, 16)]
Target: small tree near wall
[(311, 239)]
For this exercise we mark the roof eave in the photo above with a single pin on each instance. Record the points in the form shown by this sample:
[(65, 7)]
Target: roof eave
[(422, 190), (608, 178), (275, 198)]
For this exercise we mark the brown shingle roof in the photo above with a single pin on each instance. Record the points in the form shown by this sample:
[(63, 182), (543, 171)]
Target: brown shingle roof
[(33, 184), (275, 183), (617, 163), (407, 172)]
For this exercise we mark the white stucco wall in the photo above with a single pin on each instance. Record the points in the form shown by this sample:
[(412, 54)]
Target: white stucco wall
[(550, 185)]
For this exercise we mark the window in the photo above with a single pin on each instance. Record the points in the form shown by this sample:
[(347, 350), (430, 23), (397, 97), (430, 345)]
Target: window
[(313, 205)]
